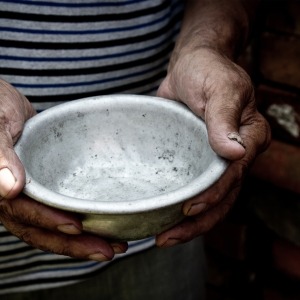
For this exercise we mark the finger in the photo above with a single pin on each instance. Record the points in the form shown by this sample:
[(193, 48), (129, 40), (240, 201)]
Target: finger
[(12, 175), (82, 246), (15, 109), (230, 180), (28, 211), (223, 126), (230, 105), (23, 210), (12, 179), (50, 229), (257, 134), (192, 227)]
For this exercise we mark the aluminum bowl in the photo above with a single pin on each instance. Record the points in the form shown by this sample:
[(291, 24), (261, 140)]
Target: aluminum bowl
[(125, 163)]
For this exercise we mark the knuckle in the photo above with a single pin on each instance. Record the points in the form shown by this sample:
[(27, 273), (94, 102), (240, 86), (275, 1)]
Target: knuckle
[(26, 236), (6, 209)]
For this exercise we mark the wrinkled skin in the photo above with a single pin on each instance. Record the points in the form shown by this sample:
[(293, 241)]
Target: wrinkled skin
[(216, 90), (42, 227), (221, 93)]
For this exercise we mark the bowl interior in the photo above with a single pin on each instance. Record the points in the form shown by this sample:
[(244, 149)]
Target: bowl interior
[(115, 150)]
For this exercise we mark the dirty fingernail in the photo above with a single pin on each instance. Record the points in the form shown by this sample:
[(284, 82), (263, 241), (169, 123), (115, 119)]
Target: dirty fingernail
[(98, 257), (195, 209), (7, 181), (69, 229), (234, 136)]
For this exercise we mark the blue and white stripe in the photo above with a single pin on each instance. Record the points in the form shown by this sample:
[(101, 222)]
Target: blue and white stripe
[(58, 50)]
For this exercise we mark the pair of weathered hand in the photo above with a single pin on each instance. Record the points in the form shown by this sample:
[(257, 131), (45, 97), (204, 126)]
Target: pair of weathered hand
[(215, 88)]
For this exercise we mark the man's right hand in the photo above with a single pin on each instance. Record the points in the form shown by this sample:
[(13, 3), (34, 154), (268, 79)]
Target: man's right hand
[(42, 227)]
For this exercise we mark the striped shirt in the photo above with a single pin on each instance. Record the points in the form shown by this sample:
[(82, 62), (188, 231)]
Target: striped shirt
[(60, 50)]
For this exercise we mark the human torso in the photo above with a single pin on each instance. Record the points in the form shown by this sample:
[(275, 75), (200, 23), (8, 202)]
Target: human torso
[(57, 51)]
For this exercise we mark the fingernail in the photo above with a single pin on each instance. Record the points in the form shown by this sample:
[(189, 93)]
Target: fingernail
[(7, 182), (234, 136), (98, 257), (69, 229), (196, 208), (170, 242)]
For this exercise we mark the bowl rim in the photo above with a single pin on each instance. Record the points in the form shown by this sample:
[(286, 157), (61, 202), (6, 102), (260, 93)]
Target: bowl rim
[(38, 192)]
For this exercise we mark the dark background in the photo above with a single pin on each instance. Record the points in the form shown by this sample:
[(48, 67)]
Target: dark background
[(255, 253)]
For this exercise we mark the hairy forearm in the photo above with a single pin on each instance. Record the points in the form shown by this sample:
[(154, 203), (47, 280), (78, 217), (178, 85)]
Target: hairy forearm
[(222, 25)]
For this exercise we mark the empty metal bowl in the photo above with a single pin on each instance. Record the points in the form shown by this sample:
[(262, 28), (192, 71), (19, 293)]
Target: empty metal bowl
[(125, 163)]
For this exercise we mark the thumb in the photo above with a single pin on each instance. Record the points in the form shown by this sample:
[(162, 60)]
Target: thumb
[(222, 122), (224, 131), (12, 175)]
